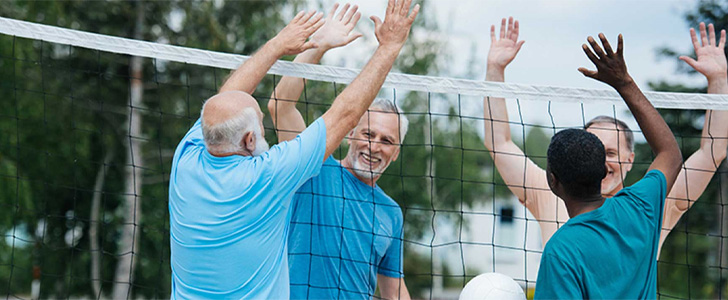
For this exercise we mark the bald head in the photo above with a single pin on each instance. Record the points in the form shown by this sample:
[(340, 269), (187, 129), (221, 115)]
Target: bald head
[(228, 105), (230, 122)]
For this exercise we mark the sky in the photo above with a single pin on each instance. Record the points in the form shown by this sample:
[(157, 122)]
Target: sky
[(554, 31)]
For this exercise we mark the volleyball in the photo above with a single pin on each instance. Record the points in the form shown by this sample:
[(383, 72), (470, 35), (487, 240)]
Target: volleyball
[(493, 286)]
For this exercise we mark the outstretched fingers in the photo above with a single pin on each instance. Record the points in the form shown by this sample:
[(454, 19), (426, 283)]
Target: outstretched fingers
[(515, 30), (298, 16), (607, 46), (503, 29), (317, 23), (492, 34), (598, 50), (703, 35), (721, 44), (694, 38), (343, 11), (620, 46), (332, 11), (711, 34), (587, 72), (590, 54), (390, 8), (350, 14), (509, 31), (413, 14)]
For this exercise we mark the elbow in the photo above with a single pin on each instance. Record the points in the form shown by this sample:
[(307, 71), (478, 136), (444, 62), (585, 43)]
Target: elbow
[(676, 159)]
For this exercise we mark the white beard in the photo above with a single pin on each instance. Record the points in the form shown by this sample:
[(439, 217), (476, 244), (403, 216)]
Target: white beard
[(365, 172)]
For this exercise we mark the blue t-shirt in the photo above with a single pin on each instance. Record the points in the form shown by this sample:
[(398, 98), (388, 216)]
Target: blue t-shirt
[(229, 216), (610, 252), (343, 233)]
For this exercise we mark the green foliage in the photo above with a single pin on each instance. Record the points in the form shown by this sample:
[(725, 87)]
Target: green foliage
[(689, 261), (64, 108)]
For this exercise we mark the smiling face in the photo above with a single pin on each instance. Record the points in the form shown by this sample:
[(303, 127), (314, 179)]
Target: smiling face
[(619, 155), (373, 145)]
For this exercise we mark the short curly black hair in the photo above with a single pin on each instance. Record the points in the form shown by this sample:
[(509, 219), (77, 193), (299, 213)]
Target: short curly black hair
[(577, 160)]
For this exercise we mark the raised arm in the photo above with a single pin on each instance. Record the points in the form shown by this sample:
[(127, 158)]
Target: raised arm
[(523, 177), (701, 165), (336, 32), (612, 70), (291, 40), (351, 104)]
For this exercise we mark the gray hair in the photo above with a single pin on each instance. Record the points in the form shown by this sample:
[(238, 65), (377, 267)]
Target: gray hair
[(629, 136), (386, 105), (226, 136)]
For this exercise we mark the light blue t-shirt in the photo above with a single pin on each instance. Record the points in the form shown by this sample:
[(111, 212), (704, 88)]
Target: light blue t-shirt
[(343, 233), (229, 216), (610, 252)]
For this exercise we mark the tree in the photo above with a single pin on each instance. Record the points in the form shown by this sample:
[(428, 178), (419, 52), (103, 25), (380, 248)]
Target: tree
[(693, 262), (68, 107)]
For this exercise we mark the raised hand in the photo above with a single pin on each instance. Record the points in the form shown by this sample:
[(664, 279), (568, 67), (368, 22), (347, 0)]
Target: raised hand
[(292, 38), (611, 68), (337, 30), (396, 26), (711, 60), (504, 49)]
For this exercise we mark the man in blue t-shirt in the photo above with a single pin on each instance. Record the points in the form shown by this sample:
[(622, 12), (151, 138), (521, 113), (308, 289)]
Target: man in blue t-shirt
[(346, 233), (229, 195), (608, 249)]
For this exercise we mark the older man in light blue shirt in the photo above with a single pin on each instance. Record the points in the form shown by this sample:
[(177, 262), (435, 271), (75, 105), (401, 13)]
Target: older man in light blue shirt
[(229, 194)]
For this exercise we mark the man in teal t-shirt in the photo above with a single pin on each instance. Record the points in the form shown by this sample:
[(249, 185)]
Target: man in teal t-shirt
[(346, 234), (608, 249), (230, 196)]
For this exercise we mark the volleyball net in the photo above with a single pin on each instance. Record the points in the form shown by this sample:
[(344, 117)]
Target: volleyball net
[(89, 124)]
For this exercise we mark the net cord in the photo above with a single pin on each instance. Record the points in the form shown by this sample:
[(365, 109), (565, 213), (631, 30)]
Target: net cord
[(429, 84)]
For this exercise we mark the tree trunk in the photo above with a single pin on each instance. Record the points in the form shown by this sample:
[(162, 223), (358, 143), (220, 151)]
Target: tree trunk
[(128, 246), (94, 228)]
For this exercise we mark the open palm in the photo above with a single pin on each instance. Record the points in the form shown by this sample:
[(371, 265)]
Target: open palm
[(504, 49), (711, 60), (337, 31)]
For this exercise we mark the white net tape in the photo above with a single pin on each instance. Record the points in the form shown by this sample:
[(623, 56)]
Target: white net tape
[(346, 75)]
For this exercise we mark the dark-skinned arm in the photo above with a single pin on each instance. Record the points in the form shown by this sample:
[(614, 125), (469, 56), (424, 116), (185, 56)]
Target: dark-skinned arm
[(612, 70)]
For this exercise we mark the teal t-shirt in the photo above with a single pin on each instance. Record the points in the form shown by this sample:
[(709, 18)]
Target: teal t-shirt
[(610, 252), (343, 233), (229, 216)]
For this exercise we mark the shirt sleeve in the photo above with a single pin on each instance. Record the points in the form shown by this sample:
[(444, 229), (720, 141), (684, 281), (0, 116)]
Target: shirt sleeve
[(391, 264), (556, 279), (298, 160), (649, 193)]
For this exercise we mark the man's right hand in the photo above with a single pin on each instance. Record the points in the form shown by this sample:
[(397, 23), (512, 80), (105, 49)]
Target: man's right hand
[(393, 32), (611, 68), (504, 49), (711, 60), (337, 30), (292, 39)]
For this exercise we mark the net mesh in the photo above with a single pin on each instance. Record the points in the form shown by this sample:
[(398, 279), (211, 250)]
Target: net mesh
[(87, 137)]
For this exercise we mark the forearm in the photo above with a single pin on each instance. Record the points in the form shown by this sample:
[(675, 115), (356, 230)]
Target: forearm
[(656, 132), (715, 130), (287, 120), (289, 88), (251, 72), (495, 111), (351, 104)]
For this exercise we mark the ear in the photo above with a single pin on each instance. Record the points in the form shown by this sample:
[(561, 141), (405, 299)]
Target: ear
[(630, 161), (248, 142), (396, 153), (350, 136), (552, 181)]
